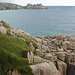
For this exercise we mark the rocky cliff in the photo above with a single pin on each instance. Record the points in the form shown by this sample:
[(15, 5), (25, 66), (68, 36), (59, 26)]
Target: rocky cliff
[(49, 55), (6, 6), (35, 6)]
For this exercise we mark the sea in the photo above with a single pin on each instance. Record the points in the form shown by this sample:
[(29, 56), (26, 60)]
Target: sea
[(56, 20)]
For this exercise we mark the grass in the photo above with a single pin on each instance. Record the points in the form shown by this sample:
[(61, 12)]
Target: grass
[(13, 54), (51, 51), (34, 44)]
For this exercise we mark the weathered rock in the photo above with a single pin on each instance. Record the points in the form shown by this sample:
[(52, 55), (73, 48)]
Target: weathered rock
[(61, 56), (4, 24), (31, 46), (45, 49), (35, 70), (59, 73), (30, 57), (71, 69), (55, 41), (60, 50), (72, 38), (68, 57), (37, 40), (44, 69), (39, 46), (20, 33), (60, 37), (62, 67), (44, 43), (37, 6), (73, 58), (37, 59), (39, 53), (3, 30), (66, 45), (16, 72), (49, 56)]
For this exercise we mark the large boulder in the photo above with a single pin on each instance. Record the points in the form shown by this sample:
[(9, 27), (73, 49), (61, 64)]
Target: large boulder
[(31, 46), (69, 57), (45, 49), (60, 50), (72, 38), (37, 40), (49, 56), (30, 57), (20, 33), (3, 30), (44, 43), (44, 69), (35, 70), (55, 41), (66, 45), (4, 24), (61, 55), (62, 67), (37, 59), (39, 53)]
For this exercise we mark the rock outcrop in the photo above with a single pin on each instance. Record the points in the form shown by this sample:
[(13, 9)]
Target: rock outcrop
[(6, 6), (54, 55), (35, 6), (44, 69)]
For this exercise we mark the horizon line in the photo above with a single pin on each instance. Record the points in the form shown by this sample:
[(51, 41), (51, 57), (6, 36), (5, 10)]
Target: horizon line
[(37, 3)]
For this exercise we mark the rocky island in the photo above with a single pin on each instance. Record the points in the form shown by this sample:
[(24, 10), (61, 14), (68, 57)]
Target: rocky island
[(8, 6), (23, 54), (35, 6)]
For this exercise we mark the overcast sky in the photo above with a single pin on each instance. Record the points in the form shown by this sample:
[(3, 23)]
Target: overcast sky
[(44, 2)]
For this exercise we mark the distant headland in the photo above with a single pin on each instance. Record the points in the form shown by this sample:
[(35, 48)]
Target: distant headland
[(8, 6), (35, 6)]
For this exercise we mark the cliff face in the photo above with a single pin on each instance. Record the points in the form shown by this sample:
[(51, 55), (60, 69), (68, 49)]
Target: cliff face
[(4, 6)]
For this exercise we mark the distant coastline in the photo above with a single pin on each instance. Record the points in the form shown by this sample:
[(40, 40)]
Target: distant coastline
[(10, 6)]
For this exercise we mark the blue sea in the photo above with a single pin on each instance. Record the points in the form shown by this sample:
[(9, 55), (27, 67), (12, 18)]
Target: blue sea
[(56, 20)]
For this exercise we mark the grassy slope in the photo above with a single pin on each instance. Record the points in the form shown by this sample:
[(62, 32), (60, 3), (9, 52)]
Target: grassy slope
[(13, 54)]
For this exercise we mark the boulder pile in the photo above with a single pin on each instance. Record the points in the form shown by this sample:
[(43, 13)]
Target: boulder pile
[(54, 55)]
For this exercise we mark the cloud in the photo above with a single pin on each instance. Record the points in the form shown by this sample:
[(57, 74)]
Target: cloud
[(6, 0), (44, 2)]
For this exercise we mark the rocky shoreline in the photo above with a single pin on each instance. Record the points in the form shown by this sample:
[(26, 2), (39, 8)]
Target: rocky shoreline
[(54, 55)]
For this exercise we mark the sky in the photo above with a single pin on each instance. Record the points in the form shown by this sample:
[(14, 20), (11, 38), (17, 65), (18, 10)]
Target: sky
[(44, 2)]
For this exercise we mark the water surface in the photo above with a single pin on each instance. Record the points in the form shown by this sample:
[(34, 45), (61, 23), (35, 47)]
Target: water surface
[(52, 21)]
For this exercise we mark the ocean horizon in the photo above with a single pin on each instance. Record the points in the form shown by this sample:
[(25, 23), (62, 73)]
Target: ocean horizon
[(56, 20)]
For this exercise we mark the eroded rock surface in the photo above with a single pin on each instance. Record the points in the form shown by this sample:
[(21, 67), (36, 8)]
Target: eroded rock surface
[(55, 55)]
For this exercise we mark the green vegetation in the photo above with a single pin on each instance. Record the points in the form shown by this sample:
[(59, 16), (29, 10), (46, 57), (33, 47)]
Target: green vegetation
[(34, 44), (35, 63), (8, 32), (51, 51), (13, 54)]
